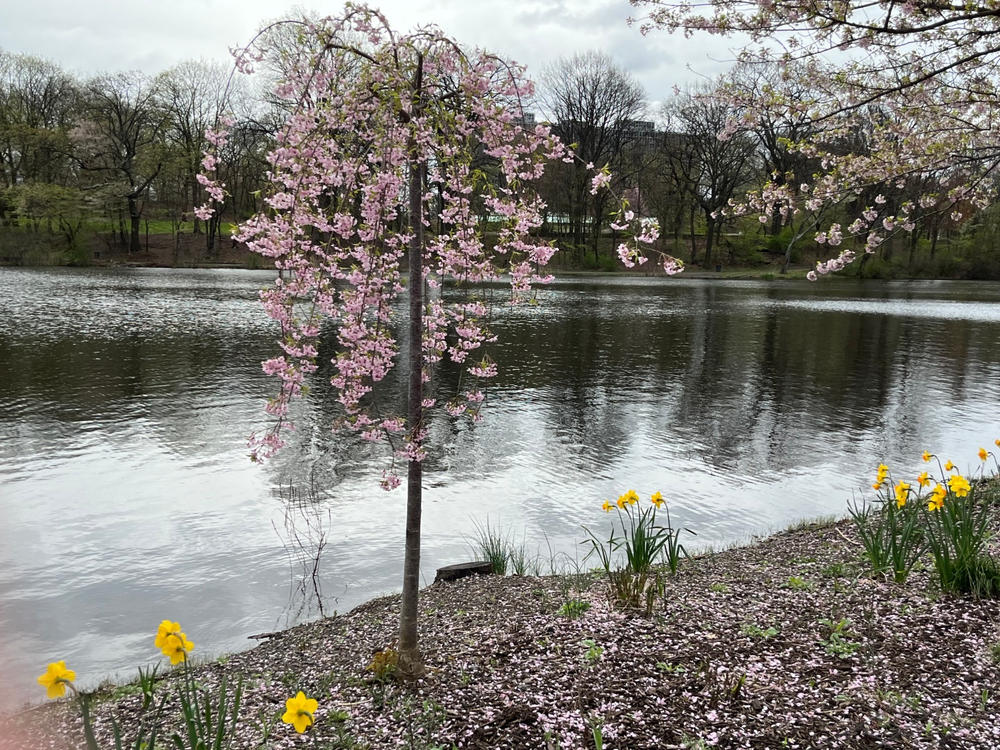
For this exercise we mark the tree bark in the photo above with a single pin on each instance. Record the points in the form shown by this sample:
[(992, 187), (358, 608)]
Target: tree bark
[(196, 229), (134, 244), (709, 237), (694, 245), (410, 663)]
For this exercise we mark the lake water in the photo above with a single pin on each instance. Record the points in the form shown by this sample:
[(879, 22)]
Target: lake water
[(126, 495)]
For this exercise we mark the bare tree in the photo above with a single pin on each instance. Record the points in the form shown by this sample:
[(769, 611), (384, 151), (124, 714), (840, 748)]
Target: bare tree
[(192, 94), (118, 138), (593, 104), (717, 167)]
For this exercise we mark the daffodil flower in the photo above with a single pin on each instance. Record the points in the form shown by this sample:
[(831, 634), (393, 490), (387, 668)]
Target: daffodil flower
[(923, 479), (937, 497), (983, 454), (883, 471), (949, 466), (657, 499), (299, 711), (902, 490), (927, 456), (167, 628), (172, 641), (56, 678), (959, 485), (607, 506)]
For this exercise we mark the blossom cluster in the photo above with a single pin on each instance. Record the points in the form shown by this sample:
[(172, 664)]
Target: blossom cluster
[(898, 138)]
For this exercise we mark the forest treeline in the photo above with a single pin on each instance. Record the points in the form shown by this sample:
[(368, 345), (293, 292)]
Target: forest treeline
[(91, 169)]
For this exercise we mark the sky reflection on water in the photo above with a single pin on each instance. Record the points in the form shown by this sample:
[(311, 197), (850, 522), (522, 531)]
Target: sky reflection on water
[(126, 495)]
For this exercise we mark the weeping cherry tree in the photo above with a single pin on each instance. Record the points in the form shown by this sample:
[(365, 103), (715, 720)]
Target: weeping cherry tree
[(386, 132)]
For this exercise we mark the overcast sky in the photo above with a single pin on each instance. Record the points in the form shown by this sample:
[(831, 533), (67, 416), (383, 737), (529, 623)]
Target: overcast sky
[(89, 36)]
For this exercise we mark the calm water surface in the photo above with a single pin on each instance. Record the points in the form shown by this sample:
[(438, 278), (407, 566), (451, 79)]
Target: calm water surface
[(126, 495)]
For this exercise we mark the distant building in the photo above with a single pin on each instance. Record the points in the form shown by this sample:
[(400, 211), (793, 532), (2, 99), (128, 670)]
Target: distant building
[(639, 132)]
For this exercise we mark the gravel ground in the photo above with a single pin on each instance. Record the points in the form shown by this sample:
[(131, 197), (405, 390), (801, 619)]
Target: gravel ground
[(782, 643)]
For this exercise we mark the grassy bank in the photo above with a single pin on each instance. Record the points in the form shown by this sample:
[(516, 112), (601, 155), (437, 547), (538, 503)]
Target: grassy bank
[(787, 642)]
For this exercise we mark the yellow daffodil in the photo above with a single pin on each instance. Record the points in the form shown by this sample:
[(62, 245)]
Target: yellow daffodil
[(927, 456), (299, 711), (56, 678), (631, 497), (622, 501), (172, 641), (997, 442), (607, 506), (936, 501), (167, 628), (902, 490), (177, 647), (923, 479), (657, 499), (959, 485), (949, 466), (877, 486), (983, 454)]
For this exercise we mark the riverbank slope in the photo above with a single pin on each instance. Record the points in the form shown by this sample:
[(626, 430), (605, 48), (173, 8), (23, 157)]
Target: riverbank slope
[(782, 643)]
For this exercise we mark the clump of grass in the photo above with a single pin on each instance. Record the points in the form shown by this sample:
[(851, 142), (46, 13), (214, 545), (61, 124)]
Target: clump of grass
[(753, 630), (995, 652), (573, 608), (520, 562), (493, 545), (799, 584), (837, 641)]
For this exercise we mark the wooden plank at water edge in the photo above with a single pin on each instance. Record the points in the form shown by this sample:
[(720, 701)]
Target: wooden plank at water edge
[(462, 570)]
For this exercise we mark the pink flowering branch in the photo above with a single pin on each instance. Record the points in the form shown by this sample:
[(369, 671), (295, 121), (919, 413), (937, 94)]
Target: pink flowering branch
[(913, 110)]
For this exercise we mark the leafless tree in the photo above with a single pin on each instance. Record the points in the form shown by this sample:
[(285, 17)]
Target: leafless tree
[(118, 138), (593, 104), (192, 94), (715, 168)]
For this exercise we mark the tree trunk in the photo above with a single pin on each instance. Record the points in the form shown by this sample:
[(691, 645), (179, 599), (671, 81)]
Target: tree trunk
[(410, 663), (775, 222), (213, 228), (196, 229), (694, 245), (709, 237), (134, 244)]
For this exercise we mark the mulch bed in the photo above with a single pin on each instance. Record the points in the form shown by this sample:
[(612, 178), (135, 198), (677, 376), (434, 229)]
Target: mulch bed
[(782, 643)]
